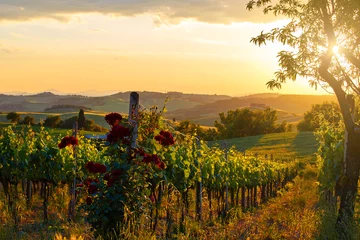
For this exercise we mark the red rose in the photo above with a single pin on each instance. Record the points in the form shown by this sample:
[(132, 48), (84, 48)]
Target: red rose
[(118, 133), (165, 138), (107, 176), (113, 119), (92, 189), (161, 165), (95, 167), (110, 183), (88, 200), (116, 172), (68, 141)]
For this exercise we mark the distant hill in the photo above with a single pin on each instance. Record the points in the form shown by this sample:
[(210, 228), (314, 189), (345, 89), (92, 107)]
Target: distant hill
[(116, 102), (289, 106), (200, 108)]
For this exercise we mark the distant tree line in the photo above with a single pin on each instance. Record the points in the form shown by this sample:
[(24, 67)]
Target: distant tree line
[(55, 121)]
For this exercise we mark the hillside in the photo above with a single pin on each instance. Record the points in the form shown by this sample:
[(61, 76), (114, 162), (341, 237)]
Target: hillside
[(290, 107), (282, 145), (199, 108), (117, 102)]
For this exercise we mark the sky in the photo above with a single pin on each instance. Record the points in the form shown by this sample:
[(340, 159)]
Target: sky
[(193, 46)]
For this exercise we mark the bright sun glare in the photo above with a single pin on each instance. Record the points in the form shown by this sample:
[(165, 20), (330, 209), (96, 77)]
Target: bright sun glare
[(335, 50)]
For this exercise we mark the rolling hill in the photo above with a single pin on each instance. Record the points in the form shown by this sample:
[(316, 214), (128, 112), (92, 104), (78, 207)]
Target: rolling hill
[(199, 108)]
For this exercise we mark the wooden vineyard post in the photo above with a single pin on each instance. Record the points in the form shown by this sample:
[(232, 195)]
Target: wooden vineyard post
[(133, 117), (198, 188), (73, 190), (227, 182)]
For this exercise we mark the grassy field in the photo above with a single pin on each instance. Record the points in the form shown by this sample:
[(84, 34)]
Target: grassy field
[(284, 145), (98, 117), (56, 131)]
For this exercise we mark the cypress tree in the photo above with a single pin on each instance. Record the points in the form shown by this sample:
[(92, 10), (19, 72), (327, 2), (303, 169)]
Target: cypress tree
[(81, 120)]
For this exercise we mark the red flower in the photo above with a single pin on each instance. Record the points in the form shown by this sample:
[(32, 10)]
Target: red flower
[(110, 183), (88, 181), (92, 189), (95, 167), (151, 159), (113, 119), (165, 138), (107, 176), (140, 151), (161, 165), (68, 141), (116, 172), (79, 185), (118, 133), (88, 200)]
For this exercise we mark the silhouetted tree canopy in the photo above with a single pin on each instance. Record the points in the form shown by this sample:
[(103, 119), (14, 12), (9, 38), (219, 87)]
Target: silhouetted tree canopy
[(53, 121), (81, 120), (13, 117), (28, 120)]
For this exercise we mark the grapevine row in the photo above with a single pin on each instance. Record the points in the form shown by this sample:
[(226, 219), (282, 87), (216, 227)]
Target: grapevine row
[(115, 180)]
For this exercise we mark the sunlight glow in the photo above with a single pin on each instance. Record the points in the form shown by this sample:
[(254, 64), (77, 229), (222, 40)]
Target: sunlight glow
[(335, 50)]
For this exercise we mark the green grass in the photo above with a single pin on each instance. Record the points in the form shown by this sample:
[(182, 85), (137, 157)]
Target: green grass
[(55, 131), (98, 117), (281, 145)]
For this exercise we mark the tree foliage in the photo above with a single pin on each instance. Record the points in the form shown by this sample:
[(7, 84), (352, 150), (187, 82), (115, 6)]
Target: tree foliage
[(324, 48), (245, 122), (29, 120), (13, 117), (187, 127), (53, 121), (327, 111), (81, 120)]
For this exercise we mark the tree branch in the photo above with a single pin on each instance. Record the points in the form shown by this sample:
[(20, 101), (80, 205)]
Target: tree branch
[(340, 95), (351, 57), (328, 77)]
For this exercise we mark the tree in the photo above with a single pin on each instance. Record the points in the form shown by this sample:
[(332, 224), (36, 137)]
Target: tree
[(81, 120), (53, 121), (325, 43), (29, 120), (191, 128), (69, 123), (13, 117), (188, 127), (245, 122), (328, 111)]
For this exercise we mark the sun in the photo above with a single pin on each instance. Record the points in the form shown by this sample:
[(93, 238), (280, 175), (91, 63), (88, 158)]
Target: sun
[(335, 50)]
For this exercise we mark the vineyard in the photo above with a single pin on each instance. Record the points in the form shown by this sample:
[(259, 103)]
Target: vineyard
[(145, 175)]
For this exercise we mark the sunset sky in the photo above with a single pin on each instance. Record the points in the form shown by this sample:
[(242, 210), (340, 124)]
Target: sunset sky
[(194, 46)]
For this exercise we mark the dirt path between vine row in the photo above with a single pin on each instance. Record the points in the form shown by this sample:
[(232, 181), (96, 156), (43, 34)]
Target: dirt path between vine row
[(291, 215)]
